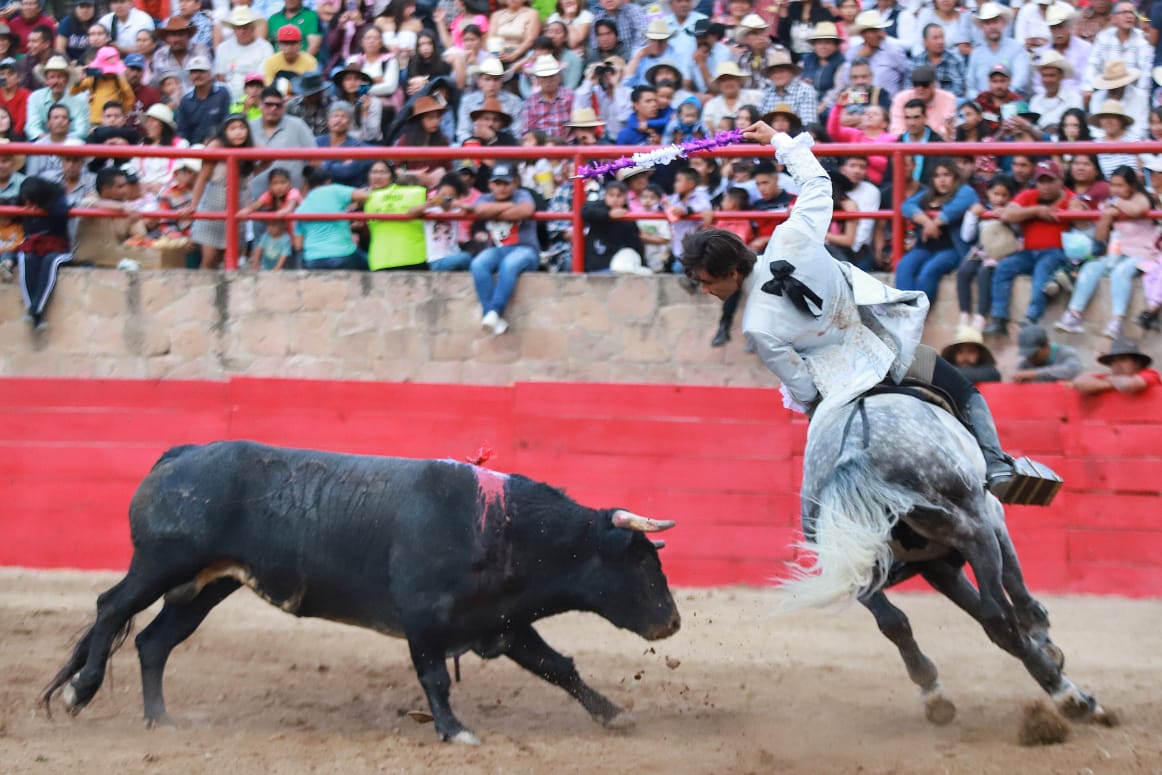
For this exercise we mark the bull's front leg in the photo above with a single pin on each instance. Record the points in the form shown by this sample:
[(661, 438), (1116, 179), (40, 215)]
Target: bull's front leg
[(531, 652), (429, 661)]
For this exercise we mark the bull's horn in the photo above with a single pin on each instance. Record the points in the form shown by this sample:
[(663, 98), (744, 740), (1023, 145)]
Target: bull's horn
[(659, 545), (631, 521)]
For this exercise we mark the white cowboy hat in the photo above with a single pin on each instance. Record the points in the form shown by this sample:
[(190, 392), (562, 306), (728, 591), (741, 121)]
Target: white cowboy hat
[(240, 16), (1058, 13), (752, 21), (1053, 59), (659, 30), (991, 10), (545, 66), (162, 113), (491, 66), (1115, 74), (728, 69), (869, 20), (824, 31)]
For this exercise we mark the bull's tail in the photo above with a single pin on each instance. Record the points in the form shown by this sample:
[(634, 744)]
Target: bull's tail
[(852, 555), (78, 659)]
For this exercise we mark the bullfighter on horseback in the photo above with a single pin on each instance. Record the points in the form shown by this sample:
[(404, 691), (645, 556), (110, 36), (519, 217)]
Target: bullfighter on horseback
[(831, 332)]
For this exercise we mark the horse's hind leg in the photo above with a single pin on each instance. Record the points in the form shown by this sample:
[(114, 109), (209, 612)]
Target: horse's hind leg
[(1031, 615), (896, 628), (177, 621)]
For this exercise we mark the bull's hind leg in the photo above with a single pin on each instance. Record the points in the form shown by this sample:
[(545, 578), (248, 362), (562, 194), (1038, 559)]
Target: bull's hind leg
[(896, 628), (531, 652), (176, 622)]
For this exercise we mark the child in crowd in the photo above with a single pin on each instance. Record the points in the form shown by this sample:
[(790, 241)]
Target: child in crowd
[(686, 201), (273, 249), (539, 175), (686, 123), (178, 194), (441, 237), (655, 232), (993, 240), (636, 179), (280, 197), (11, 235), (610, 228), (736, 199)]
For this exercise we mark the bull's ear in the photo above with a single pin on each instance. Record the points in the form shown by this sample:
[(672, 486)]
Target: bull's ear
[(614, 541)]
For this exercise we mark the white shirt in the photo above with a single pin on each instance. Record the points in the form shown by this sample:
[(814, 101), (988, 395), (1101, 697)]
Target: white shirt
[(126, 36), (234, 61), (867, 198)]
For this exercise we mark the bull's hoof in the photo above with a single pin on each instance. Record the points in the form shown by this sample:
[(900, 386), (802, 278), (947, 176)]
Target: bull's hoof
[(939, 710), (464, 737), (623, 720)]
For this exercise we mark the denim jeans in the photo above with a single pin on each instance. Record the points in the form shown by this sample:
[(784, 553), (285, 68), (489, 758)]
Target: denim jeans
[(457, 262), (1121, 271), (356, 260), (1039, 263), (921, 269), (507, 263)]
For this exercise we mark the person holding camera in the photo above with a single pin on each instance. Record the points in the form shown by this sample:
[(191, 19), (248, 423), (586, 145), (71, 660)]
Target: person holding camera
[(105, 82), (353, 86)]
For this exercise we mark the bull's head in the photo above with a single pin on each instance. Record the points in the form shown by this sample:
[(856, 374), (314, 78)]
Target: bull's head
[(638, 598)]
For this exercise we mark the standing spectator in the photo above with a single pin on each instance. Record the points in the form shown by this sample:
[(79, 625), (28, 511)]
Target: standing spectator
[(304, 21), (56, 76), (785, 86), (611, 229), (512, 237), (123, 23), (210, 190), (1124, 42), (275, 129), (939, 105), (938, 211), (144, 95), (888, 60), (244, 53), (967, 352), (203, 108), (105, 82), (550, 109), (29, 68), (328, 244), (13, 96), (72, 35), (179, 48), (30, 16), (1042, 360), (630, 21), (94, 236), (687, 200), (312, 102), (997, 50), (1043, 255), (1129, 374), (1051, 98), (290, 57)]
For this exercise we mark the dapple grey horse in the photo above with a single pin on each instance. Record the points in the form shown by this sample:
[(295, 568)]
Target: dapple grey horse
[(893, 487)]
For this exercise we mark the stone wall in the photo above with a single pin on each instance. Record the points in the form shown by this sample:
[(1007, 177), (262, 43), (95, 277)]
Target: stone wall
[(178, 324)]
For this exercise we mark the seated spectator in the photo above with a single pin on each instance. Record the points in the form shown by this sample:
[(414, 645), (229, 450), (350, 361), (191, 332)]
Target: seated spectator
[(328, 244), (57, 76), (822, 63), (888, 59), (1130, 372), (1119, 83), (353, 86), (179, 48), (866, 198), (250, 104), (940, 28), (1053, 98), (637, 130), (999, 92), (123, 23), (489, 80), (48, 165), (274, 249), (967, 352), (204, 107), (840, 236), (1042, 360), (45, 247), (939, 105), (550, 109), (10, 179), (1129, 239), (992, 240), (1114, 123), (730, 97), (160, 129), (514, 248), (243, 54), (1043, 255), (425, 66), (686, 123), (312, 102), (105, 81), (345, 172), (13, 96), (611, 229), (176, 196), (938, 211), (95, 236), (784, 86), (29, 15), (290, 57), (441, 237)]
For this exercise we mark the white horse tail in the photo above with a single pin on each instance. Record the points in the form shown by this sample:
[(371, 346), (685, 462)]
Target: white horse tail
[(856, 513)]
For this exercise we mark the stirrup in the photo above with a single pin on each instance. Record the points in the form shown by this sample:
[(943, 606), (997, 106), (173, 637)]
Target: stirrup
[(1032, 484)]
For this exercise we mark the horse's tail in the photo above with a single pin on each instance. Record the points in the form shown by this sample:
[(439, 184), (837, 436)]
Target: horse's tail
[(856, 513)]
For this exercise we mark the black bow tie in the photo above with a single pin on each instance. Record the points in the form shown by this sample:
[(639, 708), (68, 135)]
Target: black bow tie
[(783, 283)]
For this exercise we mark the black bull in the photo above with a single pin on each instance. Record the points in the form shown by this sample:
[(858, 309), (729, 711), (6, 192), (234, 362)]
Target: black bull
[(450, 556)]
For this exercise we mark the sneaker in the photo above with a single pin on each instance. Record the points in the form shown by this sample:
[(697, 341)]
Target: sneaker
[(1149, 320), (1064, 279), (500, 326), (489, 320), (979, 322), (999, 327), (1070, 323), (1051, 288), (1113, 329)]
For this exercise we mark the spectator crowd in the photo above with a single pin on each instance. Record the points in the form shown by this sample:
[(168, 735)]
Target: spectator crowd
[(479, 74)]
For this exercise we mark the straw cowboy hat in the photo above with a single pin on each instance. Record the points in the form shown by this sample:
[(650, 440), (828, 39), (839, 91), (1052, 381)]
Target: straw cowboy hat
[(491, 66), (1123, 345), (427, 104), (492, 105), (968, 337), (825, 31), (868, 20), (626, 173), (584, 118), (1111, 108), (162, 113), (780, 57), (55, 63), (990, 10), (1053, 59), (783, 109), (659, 30), (728, 70), (1115, 74)]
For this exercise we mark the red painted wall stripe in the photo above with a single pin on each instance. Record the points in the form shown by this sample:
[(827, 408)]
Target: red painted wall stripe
[(725, 462)]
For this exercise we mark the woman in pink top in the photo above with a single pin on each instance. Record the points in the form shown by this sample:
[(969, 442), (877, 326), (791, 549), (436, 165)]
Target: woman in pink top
[(873, 128)]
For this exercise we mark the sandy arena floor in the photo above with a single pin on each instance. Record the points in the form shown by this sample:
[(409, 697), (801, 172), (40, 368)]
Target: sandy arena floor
[(258, 691)]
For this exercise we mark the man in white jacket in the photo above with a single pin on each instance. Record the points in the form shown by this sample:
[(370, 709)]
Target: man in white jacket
[(827, 330)]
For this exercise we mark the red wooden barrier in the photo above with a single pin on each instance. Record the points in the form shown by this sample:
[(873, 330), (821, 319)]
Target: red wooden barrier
[(725, 462)]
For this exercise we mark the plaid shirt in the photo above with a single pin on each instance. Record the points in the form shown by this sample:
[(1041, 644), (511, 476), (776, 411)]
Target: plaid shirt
[(550, 116), (801, 97), (949, 72), (1136, 53), (631, 26)]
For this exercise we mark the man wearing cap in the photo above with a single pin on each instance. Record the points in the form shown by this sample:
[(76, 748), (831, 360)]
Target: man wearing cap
[(488, 82), (204, 107), (1036, 210), (290, 57), (784, 86), (242, 54), (939, 105), (13, 96), (56, 78), (997, 50), (999, 92), (511, 234), (178, 33), (682, 20), (144, 95), (1042, 360), (656, 50), (1051, 98), (549, 107), (1129, 374), (731, 96), (303, 19), (888, 59), (949, 65), (709, 52), (123, 22), (629, 18), (40, 50), (1122, 41)]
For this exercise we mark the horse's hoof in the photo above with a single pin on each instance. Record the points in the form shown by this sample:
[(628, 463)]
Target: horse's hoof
[(939, 710), (1107, 718), (159, 720), (69, 698), (1054, 652), (1075, 704), (623, 720), (464, 737)]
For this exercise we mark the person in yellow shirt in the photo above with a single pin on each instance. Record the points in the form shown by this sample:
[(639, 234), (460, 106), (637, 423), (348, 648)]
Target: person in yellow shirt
[(290, 57), (105, 82)]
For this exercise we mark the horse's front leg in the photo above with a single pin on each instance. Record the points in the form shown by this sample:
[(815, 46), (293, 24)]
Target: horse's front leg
[(896, 628)]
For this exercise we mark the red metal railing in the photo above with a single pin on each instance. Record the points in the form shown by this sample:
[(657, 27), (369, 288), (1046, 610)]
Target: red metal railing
[(579, 155)]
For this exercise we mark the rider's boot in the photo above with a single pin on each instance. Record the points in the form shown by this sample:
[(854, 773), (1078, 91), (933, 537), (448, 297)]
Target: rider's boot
[(999, 469)]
